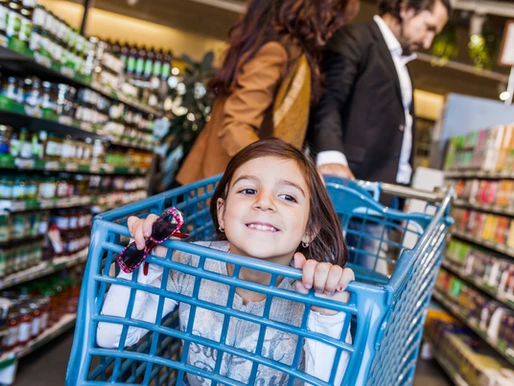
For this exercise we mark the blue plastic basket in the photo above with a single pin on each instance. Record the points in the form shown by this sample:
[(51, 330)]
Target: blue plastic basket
[(386, 312)]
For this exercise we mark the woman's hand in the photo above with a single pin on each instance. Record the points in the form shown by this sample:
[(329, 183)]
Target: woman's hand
[(329, 281), (140, 230)]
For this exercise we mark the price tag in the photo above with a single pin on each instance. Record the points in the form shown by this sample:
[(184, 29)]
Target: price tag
[(52, 165), (4, 42), (86, 126), (72, 167), (25, 163), (68, 121), (43, 60), (66, 71)]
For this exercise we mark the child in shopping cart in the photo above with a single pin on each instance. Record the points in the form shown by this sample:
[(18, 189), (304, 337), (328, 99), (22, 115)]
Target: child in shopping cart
[(270, 205)]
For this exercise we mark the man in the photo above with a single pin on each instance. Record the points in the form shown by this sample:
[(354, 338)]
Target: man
[(363, 127)]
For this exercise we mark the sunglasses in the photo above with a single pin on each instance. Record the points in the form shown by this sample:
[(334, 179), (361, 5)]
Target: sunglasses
[(165, 226)]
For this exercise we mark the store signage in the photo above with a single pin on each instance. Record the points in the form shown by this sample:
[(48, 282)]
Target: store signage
[(506, 57)]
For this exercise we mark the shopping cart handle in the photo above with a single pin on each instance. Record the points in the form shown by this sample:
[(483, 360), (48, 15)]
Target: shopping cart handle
[(364, 187), (376, 188)]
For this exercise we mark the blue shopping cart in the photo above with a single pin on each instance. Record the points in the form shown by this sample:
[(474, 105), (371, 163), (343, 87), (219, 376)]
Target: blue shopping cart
[(386, 309)]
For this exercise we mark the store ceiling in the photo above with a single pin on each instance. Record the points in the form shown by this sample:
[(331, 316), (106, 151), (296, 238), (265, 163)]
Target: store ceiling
[(213, 21)]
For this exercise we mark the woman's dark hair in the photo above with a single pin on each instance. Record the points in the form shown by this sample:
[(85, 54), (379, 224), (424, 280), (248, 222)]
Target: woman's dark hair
[(329, 244), (308, 22), (393, 7)]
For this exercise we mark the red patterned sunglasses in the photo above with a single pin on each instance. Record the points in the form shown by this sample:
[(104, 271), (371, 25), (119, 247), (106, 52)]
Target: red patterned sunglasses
[(165, 226)]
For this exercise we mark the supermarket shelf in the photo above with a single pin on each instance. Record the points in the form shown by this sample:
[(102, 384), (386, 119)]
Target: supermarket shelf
[(62, 127), (485, 243), (453, 268), (451, 373), (493, 175), (66, 323), (43, 68), (484, 208), (14, 114), (126, 143), (71, 167), (56, 203), (44, 269), (22, 239), (455, 310)]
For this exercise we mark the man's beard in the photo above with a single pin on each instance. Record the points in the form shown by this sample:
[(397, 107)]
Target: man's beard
[(406, 44)]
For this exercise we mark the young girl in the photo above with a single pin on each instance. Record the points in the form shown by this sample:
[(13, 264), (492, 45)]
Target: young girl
[(270, 205)]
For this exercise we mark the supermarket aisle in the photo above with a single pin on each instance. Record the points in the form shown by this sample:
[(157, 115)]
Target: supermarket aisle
[(47, 367)]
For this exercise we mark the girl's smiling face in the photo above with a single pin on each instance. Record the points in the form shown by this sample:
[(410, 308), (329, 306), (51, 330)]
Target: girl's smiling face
[(266, 212)]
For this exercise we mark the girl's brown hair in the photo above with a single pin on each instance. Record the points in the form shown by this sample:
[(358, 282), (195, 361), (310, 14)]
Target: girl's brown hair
[(310, 23), (329, 245)]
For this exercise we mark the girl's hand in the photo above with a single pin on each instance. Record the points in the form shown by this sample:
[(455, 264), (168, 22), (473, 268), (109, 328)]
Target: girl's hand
[(140, 230), (329, 281)]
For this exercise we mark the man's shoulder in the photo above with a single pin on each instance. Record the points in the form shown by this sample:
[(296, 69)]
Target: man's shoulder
[(361, 34)]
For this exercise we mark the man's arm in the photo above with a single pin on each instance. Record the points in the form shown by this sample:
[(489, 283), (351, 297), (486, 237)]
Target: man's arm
[(341, 66)]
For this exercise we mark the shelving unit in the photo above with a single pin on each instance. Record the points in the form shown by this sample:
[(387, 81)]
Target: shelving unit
[(508, 354), (450, 372), (503, 249), (478, 284), (19, 61)]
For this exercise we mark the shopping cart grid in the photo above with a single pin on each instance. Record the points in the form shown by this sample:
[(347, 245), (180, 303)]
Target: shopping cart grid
[(387, 310)]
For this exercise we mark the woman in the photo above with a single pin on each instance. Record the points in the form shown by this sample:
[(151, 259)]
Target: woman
[(268, 79)]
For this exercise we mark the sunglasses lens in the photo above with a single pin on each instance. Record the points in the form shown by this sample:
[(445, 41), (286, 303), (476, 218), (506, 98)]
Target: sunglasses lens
[(132, 256), (164, 227)]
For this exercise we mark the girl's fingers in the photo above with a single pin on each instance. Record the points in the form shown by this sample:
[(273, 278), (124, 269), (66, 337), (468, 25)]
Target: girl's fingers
[(333, 280), (308, 272), (345, 279), (148, 224), (321, 276)]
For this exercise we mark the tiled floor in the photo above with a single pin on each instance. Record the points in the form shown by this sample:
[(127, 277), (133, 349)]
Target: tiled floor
[(47, 367)]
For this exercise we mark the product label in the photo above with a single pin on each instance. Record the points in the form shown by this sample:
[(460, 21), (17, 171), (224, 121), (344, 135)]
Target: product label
[(44, 321), (131, 64), (53, 148), (148, 67), (12, 337), (25, 30), (39, 17), (166, 69), (157, 68), (26, 150), (140, 66), (24, 332), (13, 24), (5, 191), (36, 325), (3, 18)]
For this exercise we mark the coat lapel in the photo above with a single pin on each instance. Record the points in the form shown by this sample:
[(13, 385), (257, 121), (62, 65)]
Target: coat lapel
[(386, 56)]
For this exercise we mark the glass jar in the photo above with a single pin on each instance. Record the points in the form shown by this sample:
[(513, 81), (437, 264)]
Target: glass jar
[(3, 260), (18, 189), (13, 323), (18, 230), (36, 319), (5, 230), (25, 325), (48, 188), (5, 139), (14, 19), (9, 261), (62, 220), (53, 147), (44, 304), (6, 186)]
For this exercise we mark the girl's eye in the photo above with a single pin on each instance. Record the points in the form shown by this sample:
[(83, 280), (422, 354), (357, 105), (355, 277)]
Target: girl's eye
[(287, 197), (248, 192)]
